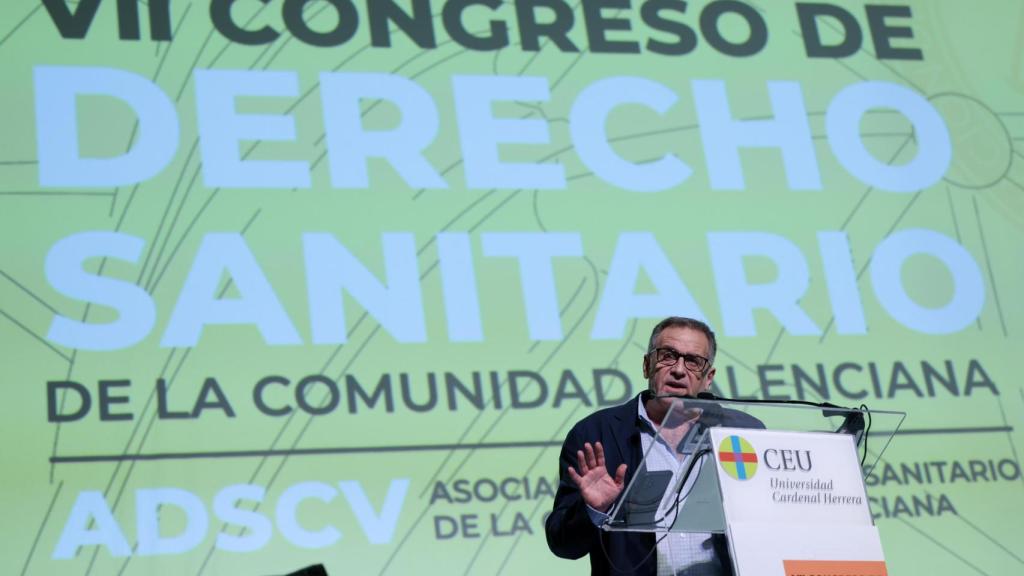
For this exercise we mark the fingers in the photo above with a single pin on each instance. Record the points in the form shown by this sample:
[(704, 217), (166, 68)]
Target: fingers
[(599, 454), (588, 450), (576, 478), (590, 459), (620, 475)]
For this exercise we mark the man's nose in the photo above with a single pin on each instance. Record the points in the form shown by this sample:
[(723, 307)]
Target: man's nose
[(679, 368)]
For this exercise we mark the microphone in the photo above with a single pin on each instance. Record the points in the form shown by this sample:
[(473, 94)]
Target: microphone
[(853, 422), (713, 414)]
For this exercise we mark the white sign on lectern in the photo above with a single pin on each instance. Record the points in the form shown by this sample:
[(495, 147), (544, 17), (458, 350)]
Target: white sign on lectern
[(795, 504)]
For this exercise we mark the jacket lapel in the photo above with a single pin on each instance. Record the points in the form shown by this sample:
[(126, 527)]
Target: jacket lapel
[(623, 430)]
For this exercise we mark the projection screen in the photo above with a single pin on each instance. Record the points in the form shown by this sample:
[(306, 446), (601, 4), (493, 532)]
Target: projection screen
[(305, 281)]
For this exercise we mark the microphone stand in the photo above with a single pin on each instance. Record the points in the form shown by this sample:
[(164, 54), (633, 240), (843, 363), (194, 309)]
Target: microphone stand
[(853, 422)]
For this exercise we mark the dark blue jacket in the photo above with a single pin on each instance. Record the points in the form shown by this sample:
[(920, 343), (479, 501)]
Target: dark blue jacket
[(570, 532)]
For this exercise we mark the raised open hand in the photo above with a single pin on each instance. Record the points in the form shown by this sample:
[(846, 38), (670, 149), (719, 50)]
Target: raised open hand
[(596, 486)]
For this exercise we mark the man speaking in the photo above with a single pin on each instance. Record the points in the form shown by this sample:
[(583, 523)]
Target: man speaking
[(602, 451)]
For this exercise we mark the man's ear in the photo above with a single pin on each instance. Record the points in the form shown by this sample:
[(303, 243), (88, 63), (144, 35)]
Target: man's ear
[(708, 379), (647, 366)]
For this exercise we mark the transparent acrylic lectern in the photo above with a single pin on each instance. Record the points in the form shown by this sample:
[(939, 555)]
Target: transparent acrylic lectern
[(677, 489)]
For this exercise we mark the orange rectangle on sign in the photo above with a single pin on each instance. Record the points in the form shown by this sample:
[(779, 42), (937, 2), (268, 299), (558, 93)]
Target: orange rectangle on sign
[(834, 568)]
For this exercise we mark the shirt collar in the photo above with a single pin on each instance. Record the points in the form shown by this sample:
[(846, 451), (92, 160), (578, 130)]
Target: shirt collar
[(641, 413)]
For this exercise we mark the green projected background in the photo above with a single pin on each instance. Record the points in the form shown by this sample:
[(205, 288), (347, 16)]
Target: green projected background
[(297, 282)]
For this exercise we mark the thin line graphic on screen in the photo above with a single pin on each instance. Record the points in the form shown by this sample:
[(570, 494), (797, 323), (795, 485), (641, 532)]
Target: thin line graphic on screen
[(42, 525), (63, 400), (88, 307), (931, 538), (1009, 437), (960, 517), (290, 418), (121, 220), (556, 435), (187, 231), (146, 412), (31, 294), (143, 425), (956, 230), (35, 336), (989, 537), (149, 415), (988, 266), (153, 276), (504, 201), (1013, 450), (906, 209), (867, 261), (156, 246), (135, 126), (20, 23)]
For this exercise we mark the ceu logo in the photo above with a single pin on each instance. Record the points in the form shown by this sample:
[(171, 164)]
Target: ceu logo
[(737, 458)]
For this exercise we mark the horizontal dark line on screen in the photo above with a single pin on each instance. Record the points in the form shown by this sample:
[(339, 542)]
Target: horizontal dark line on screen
[(52, 193), (300, 452), (411, 448)]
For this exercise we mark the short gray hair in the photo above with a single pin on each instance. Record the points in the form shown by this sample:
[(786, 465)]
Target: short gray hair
[(684, 322)]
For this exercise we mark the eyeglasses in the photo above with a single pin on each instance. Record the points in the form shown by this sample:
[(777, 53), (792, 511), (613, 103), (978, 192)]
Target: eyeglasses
[(669, 357)]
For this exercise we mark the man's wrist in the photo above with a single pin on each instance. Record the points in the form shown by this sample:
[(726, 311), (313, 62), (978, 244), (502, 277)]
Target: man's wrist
[(596, 516)]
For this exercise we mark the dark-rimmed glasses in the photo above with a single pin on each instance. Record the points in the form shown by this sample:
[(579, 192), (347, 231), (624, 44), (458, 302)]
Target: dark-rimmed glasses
[(669, 357)]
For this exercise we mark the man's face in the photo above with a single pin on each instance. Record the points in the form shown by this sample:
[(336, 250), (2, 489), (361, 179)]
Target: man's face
[(677, 379)]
